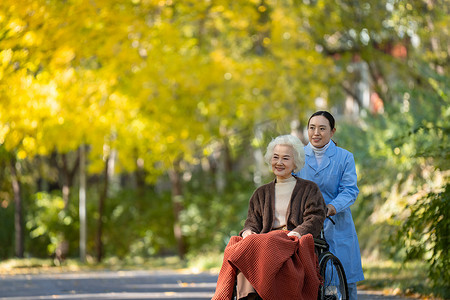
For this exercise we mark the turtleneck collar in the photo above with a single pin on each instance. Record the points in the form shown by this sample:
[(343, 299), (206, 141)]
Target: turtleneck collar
[(292, 178), (320, 151)]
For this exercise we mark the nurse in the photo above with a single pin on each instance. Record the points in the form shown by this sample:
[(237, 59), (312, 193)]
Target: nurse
[(333, 170)]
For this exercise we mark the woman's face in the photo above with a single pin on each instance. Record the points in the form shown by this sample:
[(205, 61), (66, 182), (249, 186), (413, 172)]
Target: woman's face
[(319, 131), (283, 161)]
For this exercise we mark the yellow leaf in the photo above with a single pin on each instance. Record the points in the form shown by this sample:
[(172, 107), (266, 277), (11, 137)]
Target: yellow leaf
[(29, 39), (5, 56), (63, 55), (21, 154)]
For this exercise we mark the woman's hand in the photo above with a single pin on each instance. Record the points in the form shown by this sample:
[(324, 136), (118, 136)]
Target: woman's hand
[(247, 233), (293, 233), (331, 210)]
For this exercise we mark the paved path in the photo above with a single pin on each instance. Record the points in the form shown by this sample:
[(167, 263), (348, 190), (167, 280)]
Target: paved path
[(120, 285)]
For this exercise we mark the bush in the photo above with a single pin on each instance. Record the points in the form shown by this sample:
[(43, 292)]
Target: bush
[(425, 235)]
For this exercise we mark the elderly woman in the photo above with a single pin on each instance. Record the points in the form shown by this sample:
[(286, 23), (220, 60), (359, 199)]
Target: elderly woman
[(287, 203)]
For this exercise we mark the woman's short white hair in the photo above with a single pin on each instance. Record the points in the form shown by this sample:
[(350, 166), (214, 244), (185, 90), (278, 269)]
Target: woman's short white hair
[(289, 140)]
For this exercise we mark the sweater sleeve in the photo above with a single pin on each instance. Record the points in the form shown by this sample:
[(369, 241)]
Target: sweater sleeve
[(254, 214), (314, 211)]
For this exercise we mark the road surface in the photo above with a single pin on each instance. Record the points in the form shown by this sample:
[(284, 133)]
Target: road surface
[(121, 285)]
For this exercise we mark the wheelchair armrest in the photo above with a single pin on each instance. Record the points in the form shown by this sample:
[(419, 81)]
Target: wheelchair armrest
[(321, 243)]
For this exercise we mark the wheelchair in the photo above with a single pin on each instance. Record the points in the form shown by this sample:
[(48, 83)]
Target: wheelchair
[(334, 283)]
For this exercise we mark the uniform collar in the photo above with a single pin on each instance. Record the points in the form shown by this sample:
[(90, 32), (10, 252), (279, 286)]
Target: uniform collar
[(325, 160)]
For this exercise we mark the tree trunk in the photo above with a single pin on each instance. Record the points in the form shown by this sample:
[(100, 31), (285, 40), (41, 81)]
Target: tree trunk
[(65, 184), (18, 215), (101, 206), (140, 177), (68, 175), (177, 200), (227, 156), (82, 205)]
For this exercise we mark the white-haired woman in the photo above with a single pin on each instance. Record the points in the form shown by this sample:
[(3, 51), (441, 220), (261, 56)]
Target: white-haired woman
[(287, 203)]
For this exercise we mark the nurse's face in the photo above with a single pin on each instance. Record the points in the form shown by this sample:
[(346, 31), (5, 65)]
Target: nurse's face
[(319, 131), (283, 161)]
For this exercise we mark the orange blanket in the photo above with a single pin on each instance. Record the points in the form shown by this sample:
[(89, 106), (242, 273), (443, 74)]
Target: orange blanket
[(277, 266)]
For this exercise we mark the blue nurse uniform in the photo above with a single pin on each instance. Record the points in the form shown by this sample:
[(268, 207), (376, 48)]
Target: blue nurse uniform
[(336, 178)]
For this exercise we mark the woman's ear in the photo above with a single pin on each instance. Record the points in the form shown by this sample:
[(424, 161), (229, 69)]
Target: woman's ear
[(333, 131)]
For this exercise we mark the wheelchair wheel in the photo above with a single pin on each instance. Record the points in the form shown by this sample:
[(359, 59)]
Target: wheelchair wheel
[(334, 281)]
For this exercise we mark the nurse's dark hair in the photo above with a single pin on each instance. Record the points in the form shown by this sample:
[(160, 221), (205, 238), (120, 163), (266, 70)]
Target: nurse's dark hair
[(326, 114)]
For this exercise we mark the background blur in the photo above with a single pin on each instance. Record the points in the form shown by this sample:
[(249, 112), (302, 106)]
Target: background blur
[(136, 128)]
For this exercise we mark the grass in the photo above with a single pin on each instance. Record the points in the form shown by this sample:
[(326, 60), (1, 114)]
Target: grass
[(39, 265), (392, 278), (395, 278)]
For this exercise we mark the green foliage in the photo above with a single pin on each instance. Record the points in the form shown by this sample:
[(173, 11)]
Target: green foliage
[(138, 224), (6, 208), (49, 224), (212, 216), (425, 235), (403, 161), (134, 224), (6, 234)]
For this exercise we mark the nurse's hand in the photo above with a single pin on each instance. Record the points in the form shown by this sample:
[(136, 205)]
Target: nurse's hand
[(247, 233), (331, 210)]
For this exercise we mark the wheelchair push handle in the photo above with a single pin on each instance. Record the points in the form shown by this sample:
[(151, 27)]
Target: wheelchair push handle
[(329, 217), (332, 221)]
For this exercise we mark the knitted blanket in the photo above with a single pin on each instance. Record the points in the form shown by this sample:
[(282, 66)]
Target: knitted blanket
[(278, 267)]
